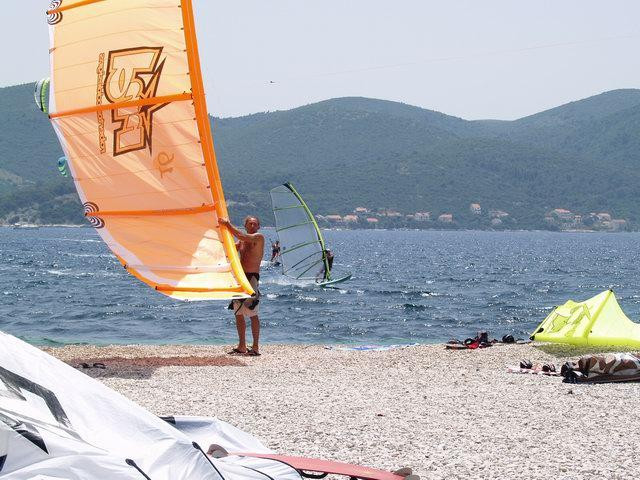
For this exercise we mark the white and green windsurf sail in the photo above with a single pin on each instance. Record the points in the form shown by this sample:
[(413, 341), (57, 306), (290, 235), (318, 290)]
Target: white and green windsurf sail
[(302, 247)]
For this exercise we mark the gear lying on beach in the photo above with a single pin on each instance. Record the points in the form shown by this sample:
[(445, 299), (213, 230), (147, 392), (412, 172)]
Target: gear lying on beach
[(593, 368), (603, 368), (481, 340), (526, 366), (55, 420)]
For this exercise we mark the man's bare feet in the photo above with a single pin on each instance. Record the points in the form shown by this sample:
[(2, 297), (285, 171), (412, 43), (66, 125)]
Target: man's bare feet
[(237, 351)]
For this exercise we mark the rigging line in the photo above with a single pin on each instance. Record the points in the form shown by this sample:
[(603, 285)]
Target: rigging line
[(293, 226), (312, 265), (448, 59), (305, 259)]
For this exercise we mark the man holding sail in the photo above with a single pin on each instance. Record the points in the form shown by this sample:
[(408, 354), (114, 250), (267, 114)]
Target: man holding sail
[(251, 249)]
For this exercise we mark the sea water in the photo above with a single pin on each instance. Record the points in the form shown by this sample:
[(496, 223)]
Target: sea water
[(62, 285)]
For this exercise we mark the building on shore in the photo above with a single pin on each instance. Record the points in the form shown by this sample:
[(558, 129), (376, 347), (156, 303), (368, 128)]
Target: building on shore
[(475, 208), (566, 220), (498, 214), (561, 215), (392, 214), (618, 224), (446, 218)]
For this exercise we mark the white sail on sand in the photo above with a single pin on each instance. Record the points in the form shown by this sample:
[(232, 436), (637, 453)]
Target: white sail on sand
[(58, 423)]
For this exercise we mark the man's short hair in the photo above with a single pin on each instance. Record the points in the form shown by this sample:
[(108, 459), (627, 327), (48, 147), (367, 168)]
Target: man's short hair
[(248, 217)]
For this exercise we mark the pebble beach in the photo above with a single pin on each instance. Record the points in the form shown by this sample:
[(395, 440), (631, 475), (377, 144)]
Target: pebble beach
[(447, 414)]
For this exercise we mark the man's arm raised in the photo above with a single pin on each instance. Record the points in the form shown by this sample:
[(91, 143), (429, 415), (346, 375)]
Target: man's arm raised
[(239, 234)]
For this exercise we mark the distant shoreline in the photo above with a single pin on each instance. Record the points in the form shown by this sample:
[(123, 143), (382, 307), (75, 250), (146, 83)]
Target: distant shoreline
[(334, 229)]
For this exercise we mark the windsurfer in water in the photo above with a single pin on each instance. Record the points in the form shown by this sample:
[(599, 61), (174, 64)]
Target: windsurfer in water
[(328, 265), (329, 256), (251, 248), (275, 253)]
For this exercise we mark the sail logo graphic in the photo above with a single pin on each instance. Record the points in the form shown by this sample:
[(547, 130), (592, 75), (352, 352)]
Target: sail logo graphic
[(25, 396), (133, 74), (54, 17)]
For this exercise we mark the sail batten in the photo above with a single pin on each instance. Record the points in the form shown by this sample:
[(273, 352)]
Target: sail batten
[(135, 130), (115, 106), (294, 226), (143, 213)]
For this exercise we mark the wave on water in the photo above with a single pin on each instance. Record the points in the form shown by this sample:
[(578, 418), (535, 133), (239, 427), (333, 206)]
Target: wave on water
[(60, 272), (50, 342), (74, 240), (276, 279), (413, 306), (307, 298)]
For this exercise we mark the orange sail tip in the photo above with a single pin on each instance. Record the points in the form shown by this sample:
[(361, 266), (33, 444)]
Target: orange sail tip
[(138, 139)]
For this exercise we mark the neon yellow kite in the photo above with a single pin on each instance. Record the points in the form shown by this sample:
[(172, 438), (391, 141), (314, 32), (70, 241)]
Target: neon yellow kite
[(598, 321)]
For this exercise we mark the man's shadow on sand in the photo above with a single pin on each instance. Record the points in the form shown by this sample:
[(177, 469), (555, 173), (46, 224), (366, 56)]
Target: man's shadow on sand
[(144, 367)]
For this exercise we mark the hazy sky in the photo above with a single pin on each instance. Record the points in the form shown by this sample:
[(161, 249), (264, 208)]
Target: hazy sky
[(471, 58)]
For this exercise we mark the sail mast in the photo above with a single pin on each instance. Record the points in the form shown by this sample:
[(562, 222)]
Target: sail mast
[(327, 270), (206, 139)]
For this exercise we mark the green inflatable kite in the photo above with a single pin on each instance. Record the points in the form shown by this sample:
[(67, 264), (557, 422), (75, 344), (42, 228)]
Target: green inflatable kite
[(41, 95), (62, 166), (598, 321)]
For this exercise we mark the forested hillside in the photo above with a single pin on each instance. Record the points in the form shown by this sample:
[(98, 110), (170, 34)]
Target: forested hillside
[(357, 152)]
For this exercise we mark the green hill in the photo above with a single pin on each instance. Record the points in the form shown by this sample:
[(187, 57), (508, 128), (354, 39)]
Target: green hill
[(349, 152), (31, 189)]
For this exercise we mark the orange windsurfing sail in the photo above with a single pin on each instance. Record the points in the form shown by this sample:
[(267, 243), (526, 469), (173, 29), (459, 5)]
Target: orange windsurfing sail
[(127, 103)]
